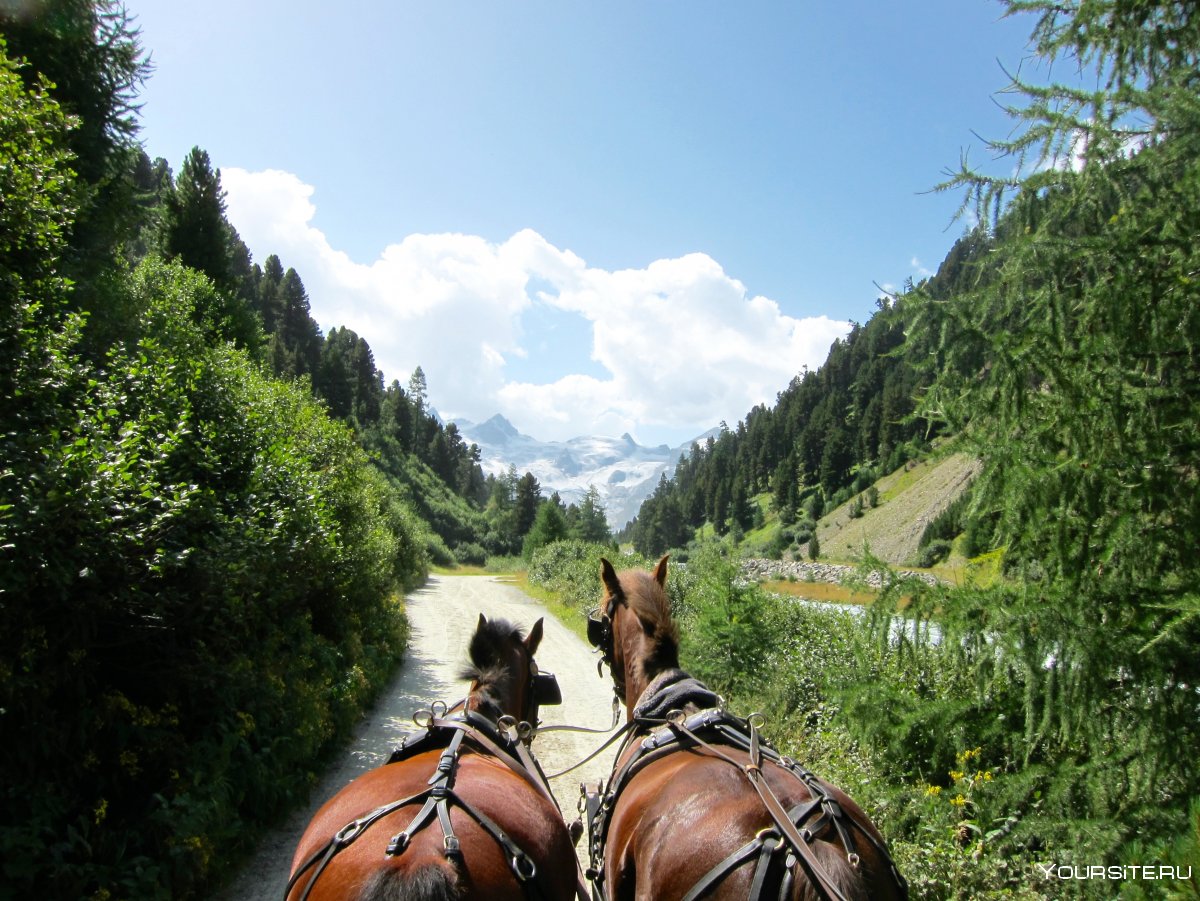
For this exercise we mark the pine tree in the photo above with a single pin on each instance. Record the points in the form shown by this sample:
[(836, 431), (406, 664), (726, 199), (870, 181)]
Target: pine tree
[(297, 339), (197, 232), (269, 302), (549, 525), (527, 498), (91, 54)]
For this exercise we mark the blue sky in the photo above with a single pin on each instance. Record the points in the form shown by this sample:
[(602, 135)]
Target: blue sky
[(594, 218)]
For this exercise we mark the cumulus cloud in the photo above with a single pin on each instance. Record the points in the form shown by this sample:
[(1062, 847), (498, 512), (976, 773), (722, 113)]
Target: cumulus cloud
[(679, 344)]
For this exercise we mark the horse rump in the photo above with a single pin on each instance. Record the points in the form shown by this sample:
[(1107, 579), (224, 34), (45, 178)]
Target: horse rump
[(431, 882)]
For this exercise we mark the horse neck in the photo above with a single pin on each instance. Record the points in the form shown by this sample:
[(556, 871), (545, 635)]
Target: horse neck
[(640, 667)]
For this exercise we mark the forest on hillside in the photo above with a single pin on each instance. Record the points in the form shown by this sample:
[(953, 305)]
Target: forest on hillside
[(208, 507)]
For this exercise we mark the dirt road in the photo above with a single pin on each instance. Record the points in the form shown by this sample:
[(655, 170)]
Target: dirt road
[(443, 615)]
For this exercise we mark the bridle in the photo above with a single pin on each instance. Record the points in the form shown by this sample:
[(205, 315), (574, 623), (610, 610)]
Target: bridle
[(541, 690), (600, 634)]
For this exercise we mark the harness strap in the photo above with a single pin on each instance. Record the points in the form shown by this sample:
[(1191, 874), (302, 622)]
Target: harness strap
[(771, 844), (766, 843), (789, 833), (832, 812), (343, 837), (726, 866), (624, 730), (753, 770), (437, 800), (519, 862)]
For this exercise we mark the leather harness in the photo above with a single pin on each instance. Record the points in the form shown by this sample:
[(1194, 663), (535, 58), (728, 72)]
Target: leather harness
[(506, 740), (715, 731), (793, 831)]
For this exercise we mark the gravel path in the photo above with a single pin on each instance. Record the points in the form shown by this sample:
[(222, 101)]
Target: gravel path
[(442, 616)]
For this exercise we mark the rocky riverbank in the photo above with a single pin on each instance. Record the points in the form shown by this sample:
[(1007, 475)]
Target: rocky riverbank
[(759, 569)]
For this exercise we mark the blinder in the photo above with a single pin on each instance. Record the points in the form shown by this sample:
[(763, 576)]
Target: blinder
[(599, 630), (545, 690)]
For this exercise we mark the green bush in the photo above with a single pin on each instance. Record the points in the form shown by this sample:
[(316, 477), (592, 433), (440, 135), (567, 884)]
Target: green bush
[(470, 554), (934, 552), (572, 569), (199, 570), (727, 639)]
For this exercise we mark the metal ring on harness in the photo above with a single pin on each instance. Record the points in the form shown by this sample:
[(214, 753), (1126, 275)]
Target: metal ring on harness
[(349, 832), (516, 865), (507, 722)]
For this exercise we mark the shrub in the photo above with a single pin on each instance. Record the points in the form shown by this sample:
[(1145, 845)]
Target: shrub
[(470, 554), (727, 642), (198, 585), (572, 569), (934, 552)]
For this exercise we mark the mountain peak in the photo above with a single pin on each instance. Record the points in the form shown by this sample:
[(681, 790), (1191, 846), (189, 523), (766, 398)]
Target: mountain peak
[(496, 431), (502, 425)]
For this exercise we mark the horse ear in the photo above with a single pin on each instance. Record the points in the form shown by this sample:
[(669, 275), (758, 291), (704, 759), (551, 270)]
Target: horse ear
[(535, 638), (608, 576), (482, 622), (660, 571)]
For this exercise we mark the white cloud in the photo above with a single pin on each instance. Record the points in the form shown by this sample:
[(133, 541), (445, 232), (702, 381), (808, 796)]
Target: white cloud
[(681, 344), (921, 271)]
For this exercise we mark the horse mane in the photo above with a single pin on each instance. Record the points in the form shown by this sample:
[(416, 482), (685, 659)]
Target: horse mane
[(486, 668), (647, 599)]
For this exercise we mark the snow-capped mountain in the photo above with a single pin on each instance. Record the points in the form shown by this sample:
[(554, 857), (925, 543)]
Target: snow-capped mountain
[(624, 472)]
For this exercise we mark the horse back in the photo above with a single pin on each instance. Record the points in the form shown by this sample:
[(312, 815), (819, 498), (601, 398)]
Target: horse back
[(685, 813), (364, 868)]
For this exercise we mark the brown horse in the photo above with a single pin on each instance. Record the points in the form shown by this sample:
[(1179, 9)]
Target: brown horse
[(461, 811), (698, 806)]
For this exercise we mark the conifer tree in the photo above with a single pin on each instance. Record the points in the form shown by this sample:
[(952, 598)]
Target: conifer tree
[(197, 232), (1068, 364), (91, 54), (297, 339)]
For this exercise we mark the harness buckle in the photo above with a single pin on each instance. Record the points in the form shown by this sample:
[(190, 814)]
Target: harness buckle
[(398, 843), (451, 846)]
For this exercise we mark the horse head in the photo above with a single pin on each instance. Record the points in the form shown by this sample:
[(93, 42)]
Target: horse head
[(504, 676), (633, 628)]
